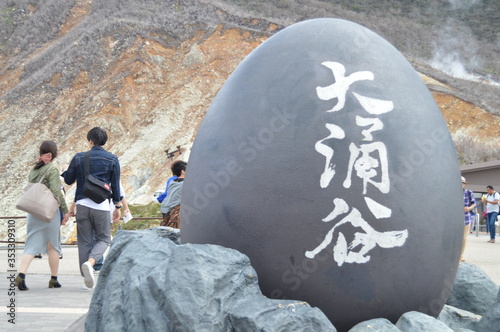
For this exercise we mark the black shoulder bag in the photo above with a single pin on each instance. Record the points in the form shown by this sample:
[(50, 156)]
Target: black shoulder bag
[(93, 188)]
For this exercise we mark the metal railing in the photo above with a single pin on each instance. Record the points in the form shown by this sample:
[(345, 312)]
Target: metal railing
[(8, 219), (2, 219)]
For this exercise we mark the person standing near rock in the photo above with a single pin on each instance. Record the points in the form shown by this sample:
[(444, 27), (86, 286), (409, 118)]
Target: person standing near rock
[(469, 215), (94, 218), (162, 196), (44, 237), (492, 207), (170, 206)]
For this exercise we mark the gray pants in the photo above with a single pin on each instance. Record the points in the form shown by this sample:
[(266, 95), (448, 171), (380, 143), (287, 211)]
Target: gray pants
[(90, 222)]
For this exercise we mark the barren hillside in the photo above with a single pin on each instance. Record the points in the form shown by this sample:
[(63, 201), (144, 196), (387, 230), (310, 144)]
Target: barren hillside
[(147, 71)]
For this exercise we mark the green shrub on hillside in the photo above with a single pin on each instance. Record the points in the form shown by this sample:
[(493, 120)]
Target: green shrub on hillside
[(151, 210), (471, 150)]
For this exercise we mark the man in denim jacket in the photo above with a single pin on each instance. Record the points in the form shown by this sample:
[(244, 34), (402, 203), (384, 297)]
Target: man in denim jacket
[(91, 217)]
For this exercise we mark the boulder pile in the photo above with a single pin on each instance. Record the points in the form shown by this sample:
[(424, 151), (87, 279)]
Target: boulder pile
[(151, 282)]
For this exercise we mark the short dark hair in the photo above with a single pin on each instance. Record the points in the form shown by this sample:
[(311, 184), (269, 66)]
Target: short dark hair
[(98, 136), (490, 187), (178, 167)]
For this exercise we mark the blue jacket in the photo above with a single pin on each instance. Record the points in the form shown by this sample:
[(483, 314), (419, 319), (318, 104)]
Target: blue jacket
[(162, 196), (173, 197), (102, 164)]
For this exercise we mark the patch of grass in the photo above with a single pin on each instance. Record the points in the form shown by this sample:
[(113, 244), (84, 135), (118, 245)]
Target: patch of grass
[(6, 25), (7, 15), (151, 210)]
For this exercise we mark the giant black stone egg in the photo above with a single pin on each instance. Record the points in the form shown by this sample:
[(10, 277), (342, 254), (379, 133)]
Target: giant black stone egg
[(325, 159)]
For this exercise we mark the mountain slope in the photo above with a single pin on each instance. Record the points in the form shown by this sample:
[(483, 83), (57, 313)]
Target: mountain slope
[(147, 71)]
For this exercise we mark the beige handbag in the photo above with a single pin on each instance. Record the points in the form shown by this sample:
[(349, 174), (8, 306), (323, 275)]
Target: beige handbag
[(38, 200)]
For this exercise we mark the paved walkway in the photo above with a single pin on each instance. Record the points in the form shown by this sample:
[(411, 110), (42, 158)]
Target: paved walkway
[(45, 309), (42, 308)]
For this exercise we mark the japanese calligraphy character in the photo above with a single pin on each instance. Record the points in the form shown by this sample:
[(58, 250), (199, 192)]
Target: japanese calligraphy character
[(342, 253), (342, 83), (325, 150), (366, 166)]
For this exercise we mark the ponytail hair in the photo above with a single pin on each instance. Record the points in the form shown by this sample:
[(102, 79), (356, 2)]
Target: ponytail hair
[(47, 147)]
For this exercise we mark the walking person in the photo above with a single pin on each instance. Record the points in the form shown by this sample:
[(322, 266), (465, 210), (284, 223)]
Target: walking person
[(98, 265), (44, 237), (491, 201), (92, 218), (469, 215)]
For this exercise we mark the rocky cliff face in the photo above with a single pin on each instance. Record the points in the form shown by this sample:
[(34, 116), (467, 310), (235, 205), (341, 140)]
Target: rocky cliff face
[(146, 71), (150, 95)]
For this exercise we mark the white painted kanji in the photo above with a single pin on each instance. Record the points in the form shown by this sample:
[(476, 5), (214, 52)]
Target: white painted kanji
[(368, 161), (342, 83), (362, 242), (325, 150)]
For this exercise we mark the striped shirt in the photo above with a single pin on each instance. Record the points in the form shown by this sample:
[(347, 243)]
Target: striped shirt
[(469, 200)]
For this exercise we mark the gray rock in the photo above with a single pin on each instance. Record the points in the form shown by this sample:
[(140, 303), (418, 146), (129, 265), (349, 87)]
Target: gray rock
[(473, 290), (173, 234), (491, 320), (458, 318), (415, 321), (374, 325), (149, 283)]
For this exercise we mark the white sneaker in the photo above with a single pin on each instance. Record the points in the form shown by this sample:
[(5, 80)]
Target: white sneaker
[(86, 288), (88, 275)]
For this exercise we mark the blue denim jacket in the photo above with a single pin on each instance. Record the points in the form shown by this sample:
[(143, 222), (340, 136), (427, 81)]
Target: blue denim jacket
[(102, 164)]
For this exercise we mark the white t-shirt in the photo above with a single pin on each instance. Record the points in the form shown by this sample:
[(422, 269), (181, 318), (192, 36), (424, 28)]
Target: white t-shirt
[(104, 206), (492, 207)]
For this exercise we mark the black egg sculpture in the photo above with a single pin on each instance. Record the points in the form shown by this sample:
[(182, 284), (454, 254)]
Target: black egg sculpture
[(325, 160)]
